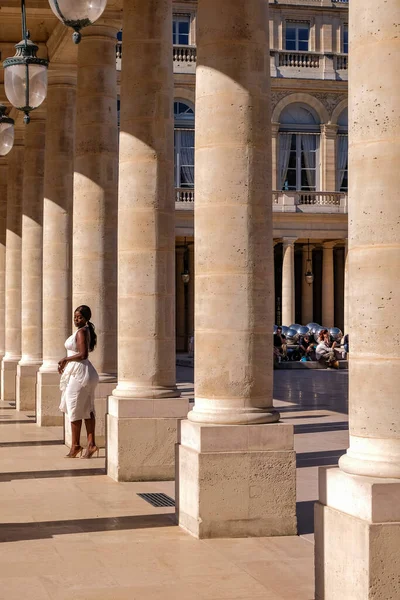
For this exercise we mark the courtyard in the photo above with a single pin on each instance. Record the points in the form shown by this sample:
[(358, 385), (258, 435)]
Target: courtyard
[(70, 530)]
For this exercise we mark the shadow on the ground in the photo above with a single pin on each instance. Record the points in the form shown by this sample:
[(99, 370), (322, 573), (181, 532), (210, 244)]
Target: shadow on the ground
[(16, 532), (305, 517), (31, 443), (321, 427), (6, 477), (31, 419), (318, 459)]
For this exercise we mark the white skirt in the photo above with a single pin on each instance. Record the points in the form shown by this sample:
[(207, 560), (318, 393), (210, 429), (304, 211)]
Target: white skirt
[(78, 385)]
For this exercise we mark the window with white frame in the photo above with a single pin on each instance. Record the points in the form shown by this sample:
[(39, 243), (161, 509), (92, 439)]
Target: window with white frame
[(297, 36), (299, 142), (342, 160), (184, 145), (181, 30), (345, 41)]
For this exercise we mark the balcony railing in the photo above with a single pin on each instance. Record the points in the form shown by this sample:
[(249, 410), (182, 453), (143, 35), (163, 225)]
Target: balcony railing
[(306, 60), (331, 202), (184, 58), (342, 62), (284, 201)]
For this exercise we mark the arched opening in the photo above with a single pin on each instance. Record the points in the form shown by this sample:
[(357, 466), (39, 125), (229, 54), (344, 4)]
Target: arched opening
[(299, 142)]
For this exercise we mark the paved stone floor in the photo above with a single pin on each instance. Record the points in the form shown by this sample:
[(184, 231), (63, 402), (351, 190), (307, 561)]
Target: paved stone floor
[(68, 531)]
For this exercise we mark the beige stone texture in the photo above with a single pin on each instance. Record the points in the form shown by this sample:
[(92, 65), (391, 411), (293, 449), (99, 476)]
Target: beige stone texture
[(94, 245), (328, 290), (288, 285), (141, 449), (236, 481), (357, 540), (31, 280), (233, 216), (57, 230), (374, 242), (307, 303), (13, 269), (3, 229), (329, 156)]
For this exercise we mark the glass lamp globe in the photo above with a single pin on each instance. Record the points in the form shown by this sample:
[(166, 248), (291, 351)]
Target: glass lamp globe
[(309, 277), (78, 13), (6, 132), (25, 78)]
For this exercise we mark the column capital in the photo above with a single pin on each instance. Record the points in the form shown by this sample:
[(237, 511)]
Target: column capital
[(289, 241), (102, 28), (275, 128), (308, 246), (329, 130), (329, 244), (62, 74)]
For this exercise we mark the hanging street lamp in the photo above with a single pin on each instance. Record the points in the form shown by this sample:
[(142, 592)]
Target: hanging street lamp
[(25, 75), (78, 13), (6, 132), (309, 275)]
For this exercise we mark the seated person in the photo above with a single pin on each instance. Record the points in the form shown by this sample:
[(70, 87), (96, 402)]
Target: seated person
[(306, 347), (346, 343), (325, 352), (280, 346)]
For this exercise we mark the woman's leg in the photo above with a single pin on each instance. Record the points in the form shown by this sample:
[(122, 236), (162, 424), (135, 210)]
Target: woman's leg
[(90, 430), (76, 438)]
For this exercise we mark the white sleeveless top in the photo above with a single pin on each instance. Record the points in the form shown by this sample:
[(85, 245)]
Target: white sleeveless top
[(82, 370)]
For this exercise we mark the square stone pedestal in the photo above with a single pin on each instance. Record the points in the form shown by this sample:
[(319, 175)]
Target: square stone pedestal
[(357, 537), (8, 379), (26, 384), (236, 480), (141, 438), (103, 390), (48, 400)]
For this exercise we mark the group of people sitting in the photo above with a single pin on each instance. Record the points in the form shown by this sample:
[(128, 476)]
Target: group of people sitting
[(321, 349)]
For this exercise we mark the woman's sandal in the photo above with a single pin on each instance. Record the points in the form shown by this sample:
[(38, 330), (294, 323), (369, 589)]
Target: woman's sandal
[(90, 451), (74, 453)]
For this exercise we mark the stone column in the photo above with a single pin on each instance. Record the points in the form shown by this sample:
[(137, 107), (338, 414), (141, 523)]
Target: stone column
[(307, 314), (328, 290), (329, 161), (3, 229), (13, 269), (57, 229), (191, 290), (180, 301), (230, 446), (144, 408), (288, 286), (31, 282), (358, 515), (94, 236)]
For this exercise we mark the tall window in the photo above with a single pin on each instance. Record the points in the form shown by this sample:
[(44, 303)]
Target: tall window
[(184, 145), (298, 161), (297, 36), (181, 30), (342, 153), (345, 45)]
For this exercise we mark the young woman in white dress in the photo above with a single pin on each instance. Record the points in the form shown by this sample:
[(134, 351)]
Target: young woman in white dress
[(78, 382)]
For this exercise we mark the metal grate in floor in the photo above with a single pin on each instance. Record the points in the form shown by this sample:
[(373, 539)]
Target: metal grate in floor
[(158, 499)]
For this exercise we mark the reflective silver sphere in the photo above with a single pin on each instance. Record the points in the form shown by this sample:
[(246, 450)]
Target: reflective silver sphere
[(285, 329), (336, 334), (292, 336), (303, 330), (295, 326), (311, 326)]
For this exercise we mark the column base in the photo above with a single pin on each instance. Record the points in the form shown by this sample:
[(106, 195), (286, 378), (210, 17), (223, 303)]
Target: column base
[(48, 400), (141, 438), (236, 480), (103, 390), (357, 537), (26, 384), (8, 378)]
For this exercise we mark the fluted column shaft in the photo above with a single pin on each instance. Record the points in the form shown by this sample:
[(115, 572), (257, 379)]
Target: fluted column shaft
[(57, 231), (31, 281), (307, 306), (233, 216), (146, 209), (328, 290), (94, 266), (3, 228), (288, 284), (374, 242), (13, 270)]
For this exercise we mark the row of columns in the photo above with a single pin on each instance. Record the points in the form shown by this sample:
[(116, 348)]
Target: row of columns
[(288, 284)]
